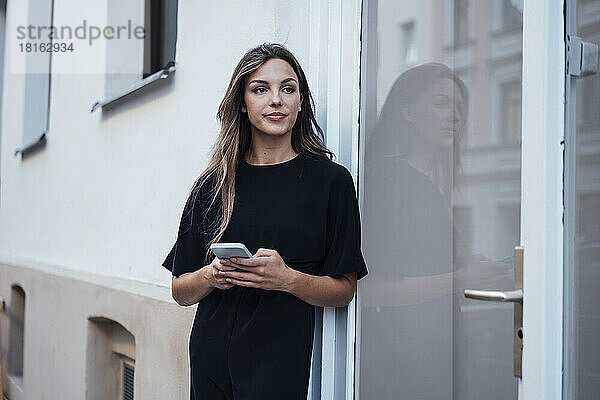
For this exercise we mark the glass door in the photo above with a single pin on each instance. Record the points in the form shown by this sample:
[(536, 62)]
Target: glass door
[(582, 198), (440, 184)]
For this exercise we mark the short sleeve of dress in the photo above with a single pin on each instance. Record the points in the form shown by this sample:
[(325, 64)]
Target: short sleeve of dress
[(343, 252), (188, 251)]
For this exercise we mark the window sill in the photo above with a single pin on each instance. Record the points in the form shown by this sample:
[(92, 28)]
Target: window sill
[(33, 147), (164, 73), (16, 380)]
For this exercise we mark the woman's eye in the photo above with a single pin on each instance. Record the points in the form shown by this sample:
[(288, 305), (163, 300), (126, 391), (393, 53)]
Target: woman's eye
[(441, 100), (259, 90), (441, 103), (289, 89)]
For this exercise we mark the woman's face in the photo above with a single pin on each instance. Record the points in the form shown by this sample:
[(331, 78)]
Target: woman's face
[(272, 98), (438, 114)]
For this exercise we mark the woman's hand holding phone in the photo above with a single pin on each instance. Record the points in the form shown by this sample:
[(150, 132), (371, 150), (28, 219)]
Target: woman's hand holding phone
[(214, 275), (265, 270)]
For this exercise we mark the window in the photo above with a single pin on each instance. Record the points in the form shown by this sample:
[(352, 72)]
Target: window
[(161, 34), (16, 334), (110, 356), (409, 49), (133, 60), (512, 14), (127, 382), (511, 112), (461, 22)]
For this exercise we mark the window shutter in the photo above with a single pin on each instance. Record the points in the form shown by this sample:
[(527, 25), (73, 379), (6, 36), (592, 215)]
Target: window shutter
[(37, 78)]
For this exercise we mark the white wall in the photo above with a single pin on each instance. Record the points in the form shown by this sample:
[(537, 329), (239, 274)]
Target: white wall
[(105, 195)]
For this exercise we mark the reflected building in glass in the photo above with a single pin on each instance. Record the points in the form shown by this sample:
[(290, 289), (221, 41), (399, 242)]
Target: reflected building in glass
[(441, 114), (582, 358)]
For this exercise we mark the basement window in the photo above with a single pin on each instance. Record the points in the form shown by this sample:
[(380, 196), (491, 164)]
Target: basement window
[(127, 381), (16, 335), (110, 356)]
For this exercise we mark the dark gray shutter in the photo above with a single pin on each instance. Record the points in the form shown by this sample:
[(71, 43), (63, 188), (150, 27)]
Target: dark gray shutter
[(37, 79), (124, 56), (2, 39)]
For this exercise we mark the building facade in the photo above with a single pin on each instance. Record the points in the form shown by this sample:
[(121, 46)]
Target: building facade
[(470, 127)]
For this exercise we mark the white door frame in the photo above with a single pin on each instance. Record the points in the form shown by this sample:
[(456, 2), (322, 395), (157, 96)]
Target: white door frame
[(334, 69), (343, 67), (541, 198)]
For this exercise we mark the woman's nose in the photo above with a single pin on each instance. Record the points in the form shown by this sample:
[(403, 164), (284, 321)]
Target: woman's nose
[(457, 115), (275, 98)]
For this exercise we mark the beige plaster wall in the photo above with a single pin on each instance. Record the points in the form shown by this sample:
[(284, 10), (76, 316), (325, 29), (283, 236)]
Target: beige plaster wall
[(57, 308)]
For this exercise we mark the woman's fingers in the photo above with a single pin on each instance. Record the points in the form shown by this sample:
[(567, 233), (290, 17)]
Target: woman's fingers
[(222, 283), (219, 280), (247, 262), (264, 252), (243, 265), (226, 286), (239, 282), (225, 267), (242, 276)]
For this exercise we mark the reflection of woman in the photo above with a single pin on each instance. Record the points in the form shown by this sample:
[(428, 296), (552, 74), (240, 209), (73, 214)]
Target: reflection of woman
[(270, 185), (407, 301)]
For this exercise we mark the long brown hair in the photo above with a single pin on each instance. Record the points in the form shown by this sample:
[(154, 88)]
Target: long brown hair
[(392, 136), (235, 135)]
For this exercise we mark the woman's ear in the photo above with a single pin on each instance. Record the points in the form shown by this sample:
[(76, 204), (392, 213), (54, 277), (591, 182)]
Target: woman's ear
[(244, 107), (300, 105)]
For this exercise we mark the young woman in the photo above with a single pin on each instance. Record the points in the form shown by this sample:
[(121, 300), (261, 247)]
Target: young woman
[(272, 186)]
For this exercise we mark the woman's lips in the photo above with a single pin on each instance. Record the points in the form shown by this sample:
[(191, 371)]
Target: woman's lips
[(275, 117)]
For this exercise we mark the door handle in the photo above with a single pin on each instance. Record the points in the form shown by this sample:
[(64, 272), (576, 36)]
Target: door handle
[(509, 296)]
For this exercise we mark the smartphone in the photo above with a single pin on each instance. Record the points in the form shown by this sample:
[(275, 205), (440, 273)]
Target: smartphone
[(228, 250)]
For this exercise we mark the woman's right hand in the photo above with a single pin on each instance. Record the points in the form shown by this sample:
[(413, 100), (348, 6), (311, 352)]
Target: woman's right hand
[(214, 277)]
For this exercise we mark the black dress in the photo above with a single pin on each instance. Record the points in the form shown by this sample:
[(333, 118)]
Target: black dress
[(249, 343), (406, 339)]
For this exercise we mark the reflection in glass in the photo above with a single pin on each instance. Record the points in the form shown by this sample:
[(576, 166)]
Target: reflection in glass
[(584, 359), (440, 200)]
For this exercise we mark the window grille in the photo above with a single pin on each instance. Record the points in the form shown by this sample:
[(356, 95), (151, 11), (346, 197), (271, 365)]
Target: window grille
[(128, 371)]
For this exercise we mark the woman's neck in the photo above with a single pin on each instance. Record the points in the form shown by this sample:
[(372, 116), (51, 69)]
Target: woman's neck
[(266, 150), (420, 157)]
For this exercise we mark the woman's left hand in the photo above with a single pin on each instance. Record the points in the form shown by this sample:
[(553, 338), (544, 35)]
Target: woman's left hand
[(265, 270)]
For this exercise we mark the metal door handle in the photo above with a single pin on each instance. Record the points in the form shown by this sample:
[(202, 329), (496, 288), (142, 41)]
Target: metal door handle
[(511, 296)]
